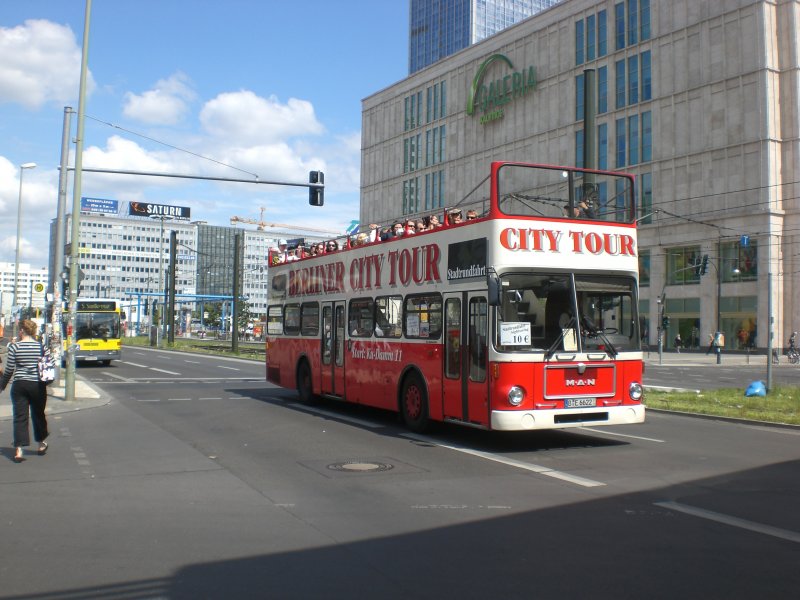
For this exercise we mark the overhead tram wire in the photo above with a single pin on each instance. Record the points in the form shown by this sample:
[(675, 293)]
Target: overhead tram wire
[(141, 135)]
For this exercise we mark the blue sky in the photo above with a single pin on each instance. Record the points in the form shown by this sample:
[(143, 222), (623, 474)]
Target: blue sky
[(270, 87)]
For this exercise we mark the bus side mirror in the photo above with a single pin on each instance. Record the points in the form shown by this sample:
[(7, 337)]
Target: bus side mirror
[(493, 289)]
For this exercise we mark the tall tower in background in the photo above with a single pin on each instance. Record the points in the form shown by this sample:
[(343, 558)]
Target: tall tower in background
[(439, 28)]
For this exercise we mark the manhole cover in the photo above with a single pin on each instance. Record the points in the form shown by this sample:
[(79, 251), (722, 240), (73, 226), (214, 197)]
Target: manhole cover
[(357, 466)]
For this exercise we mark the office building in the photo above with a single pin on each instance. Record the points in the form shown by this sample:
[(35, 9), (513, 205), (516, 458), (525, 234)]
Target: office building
[(28, 280), (439, 28), (697, 99)]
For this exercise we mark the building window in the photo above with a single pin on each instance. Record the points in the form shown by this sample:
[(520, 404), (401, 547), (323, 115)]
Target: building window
[(428, 105), (682, 265), (579, 42), (633, 22), (441, 143), (579, 94), (442, 100), (644, 14), (633, 79), (602, 33), (619, 68), (620, 141), (602, 90), (647, 77), (739, 263), (579, 148), (644, 268), (647, 136), (602, 146), (633, 140), (646, 203), (619, 25), (591, 33)]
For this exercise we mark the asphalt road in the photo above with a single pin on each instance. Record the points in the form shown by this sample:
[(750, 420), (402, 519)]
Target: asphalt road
[(199, 480)]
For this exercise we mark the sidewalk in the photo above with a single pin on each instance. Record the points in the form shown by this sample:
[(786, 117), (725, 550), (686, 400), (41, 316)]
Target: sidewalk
[(86, 396), (690, 358)]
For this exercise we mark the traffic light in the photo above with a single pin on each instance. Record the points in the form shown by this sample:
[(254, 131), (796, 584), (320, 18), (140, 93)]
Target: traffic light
[(316, 195), (704, 265), (665, 323)]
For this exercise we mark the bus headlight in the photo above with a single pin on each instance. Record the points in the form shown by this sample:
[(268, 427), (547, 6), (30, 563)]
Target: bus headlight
[(515, 395), (635, 390)]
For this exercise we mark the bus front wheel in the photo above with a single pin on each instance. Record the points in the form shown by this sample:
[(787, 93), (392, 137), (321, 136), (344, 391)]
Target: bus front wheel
[(305, 389), (414, 404)]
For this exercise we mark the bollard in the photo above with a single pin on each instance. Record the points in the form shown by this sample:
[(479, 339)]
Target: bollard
[(719, 355)]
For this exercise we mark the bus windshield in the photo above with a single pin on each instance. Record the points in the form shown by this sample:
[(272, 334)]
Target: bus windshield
[(535, 191), (537, 313), (97, 325)]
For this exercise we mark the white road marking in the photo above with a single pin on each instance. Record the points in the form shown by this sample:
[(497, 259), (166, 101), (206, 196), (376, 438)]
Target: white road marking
[(209, 398), (164, 371), (777, 532), (194, 362), (120, 377), (178, 399), (582, 481), (148, 399), (333, 415), (229, 368), (125, 362), (625, 435)]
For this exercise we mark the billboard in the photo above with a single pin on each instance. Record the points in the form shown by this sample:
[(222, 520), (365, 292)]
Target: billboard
[(99, 205), (145, 209)]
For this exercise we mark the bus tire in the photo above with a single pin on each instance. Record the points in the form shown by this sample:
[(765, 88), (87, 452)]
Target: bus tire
[(305, 387), (414, 403)]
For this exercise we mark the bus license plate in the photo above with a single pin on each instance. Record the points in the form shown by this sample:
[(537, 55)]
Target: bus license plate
[(580, 402)]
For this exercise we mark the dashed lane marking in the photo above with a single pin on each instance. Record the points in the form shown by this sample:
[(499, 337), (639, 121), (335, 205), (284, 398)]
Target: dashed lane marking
[(625, 435), (784, 534), (164, 371), (540, 470)]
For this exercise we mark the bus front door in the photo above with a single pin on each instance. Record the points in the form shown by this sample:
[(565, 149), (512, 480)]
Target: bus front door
[(332, 376), (465, 390)]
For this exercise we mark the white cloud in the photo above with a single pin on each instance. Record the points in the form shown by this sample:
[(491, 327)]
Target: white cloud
[(165, 104), (39, 198), (41, 63), (250, 119)]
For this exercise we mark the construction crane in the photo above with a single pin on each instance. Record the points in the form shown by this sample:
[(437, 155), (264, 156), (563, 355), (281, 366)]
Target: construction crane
[(262, 224)]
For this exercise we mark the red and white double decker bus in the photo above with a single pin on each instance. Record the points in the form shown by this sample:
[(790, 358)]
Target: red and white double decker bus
[(523, 318)]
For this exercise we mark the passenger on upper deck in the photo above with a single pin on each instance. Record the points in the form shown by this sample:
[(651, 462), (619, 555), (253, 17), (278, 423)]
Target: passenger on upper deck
[(454, 217), (471, 215), (433, 222)]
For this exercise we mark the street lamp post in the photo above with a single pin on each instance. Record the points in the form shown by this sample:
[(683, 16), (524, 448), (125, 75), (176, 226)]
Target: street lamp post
[(19, 231)]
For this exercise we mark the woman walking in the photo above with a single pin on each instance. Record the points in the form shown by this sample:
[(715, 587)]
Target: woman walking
[(28, 393)]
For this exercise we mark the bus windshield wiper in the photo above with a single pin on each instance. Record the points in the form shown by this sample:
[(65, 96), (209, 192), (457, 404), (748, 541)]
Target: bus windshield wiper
[(593, 331)]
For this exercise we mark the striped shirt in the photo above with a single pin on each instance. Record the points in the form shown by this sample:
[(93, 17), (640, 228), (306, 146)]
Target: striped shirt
[(22, 362)]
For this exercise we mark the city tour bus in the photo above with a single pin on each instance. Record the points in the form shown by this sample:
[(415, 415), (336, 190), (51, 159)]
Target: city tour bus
[(98, 329), (522, 317)]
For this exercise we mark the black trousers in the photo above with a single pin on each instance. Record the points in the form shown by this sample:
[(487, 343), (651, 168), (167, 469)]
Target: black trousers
[(29, 397)]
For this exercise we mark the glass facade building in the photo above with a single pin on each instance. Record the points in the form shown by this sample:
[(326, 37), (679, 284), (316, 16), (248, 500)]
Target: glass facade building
[(700, 106), (439, 28)]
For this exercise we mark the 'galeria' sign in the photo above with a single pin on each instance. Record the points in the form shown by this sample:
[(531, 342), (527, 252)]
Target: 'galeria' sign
[(508, 85)]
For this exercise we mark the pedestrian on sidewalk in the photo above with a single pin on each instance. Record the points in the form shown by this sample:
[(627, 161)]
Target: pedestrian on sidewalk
[(28, 393), (678, 343), (711, 339)]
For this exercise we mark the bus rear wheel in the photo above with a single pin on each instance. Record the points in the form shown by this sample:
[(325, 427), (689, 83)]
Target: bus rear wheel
[(414, 404), (305, 388)]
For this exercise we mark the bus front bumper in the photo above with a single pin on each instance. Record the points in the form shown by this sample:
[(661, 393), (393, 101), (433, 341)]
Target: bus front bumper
[(97, 355), (525, 420)]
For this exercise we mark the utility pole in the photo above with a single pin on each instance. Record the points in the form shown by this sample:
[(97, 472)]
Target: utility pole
[(237, 244), (74, 267)]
